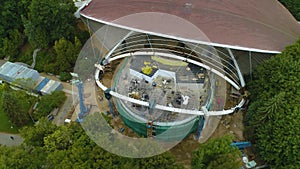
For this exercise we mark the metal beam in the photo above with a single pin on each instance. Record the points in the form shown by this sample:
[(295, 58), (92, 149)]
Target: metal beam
[(117, 45), (237, 68)]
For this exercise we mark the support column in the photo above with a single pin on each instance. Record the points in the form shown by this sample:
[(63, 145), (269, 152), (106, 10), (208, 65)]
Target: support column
[(206, 116)]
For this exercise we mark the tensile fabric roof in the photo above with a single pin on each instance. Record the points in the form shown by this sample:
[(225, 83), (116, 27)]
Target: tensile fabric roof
[(254, 25)]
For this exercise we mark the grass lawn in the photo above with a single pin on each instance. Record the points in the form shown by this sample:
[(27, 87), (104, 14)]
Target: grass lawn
[(5, 124)]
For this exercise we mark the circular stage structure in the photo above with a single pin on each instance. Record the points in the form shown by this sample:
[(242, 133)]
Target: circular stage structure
[(162, 83), (163, 75), (174, 89)]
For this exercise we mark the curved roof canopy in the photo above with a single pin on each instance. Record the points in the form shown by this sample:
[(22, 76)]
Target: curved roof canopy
[(254, 25)]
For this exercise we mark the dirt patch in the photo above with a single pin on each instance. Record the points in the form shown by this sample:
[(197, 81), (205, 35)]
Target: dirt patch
[(81, 25), (231, 124), (184, 150)]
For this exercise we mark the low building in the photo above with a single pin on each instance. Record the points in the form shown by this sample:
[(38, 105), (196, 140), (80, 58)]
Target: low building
[(19, 74), (26, 78)]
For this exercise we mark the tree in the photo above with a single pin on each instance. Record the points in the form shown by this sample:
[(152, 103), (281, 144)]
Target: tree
[(48, 146), (66, 54), (21, 157), (217, 153), (48, 102), (165, 160), (16, 105), (64, 50), (49, 20), (34, 136), (293, 6), (65, 76), (12, 43), (275, 104), (10, 28)]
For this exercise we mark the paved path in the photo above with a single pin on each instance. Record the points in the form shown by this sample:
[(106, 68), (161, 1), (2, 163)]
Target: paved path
[(59, 119), (10, 139), (34, 57)]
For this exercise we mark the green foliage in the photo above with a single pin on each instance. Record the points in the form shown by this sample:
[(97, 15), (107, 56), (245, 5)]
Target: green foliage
[(48, 103), (275, 95), (24, 57), (293, 6), (217, 153), (45, 60), (49, 20), (12, 43), (20, 158), (66, 54), (65, 76), (27, 84), (85, 62), (5, 123), (280, 73), (34, 136), (16, 105), (11, 26), (48, 146), (83, 36), (165, 160)]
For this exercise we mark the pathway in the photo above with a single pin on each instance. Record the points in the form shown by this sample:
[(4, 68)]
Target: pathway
[(10, 139), (59, 119)]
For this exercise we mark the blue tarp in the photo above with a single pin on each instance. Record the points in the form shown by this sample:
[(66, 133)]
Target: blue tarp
[(241, 145)]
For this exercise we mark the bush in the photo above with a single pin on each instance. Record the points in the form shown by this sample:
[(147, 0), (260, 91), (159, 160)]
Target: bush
[(217, 154), (273, 119), (45, 58), (48, 103), (65, 76)]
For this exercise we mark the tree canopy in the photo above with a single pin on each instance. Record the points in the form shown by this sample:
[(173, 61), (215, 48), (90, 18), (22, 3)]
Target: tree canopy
[(48, 102), (275, 99), (16, 105), (293, 6), (48, 146), (11, 27), (66, 54), (49, 20), (217, 154)]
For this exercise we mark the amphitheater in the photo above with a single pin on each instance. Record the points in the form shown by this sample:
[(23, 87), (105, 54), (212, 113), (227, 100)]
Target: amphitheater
[(176, 64)]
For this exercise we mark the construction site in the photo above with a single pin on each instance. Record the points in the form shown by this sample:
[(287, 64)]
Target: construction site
[(169, 75), (156, 86)]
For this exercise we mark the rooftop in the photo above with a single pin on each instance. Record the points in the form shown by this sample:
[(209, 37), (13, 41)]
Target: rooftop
[(262, 26), (12, 71)]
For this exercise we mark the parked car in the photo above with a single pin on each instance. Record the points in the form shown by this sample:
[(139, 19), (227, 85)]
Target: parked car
[(50, 117)]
